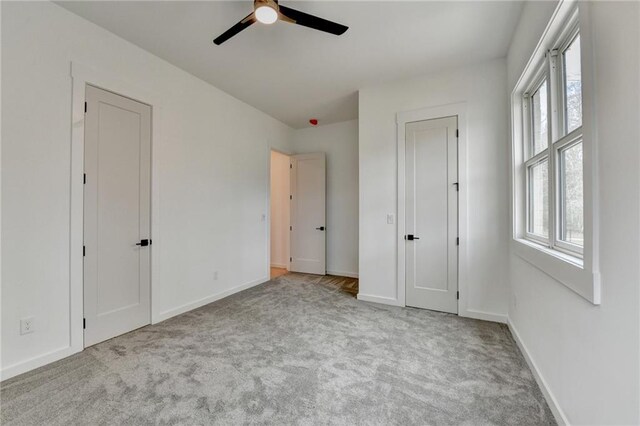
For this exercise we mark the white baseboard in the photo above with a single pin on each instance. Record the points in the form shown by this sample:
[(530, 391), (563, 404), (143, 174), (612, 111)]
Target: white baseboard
[(162, 316), (559, 415), (485, 316), (279, 265), (379, 299), (36, 362), (343, 274)]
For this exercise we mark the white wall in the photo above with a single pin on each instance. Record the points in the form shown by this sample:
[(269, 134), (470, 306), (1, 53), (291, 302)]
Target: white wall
[(483, 88), (211, 159), (280, 210), (339, 142), (589, 355)]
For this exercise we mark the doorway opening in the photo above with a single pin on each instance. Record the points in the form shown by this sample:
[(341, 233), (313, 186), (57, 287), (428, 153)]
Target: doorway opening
[(279, 214), (297, 213)]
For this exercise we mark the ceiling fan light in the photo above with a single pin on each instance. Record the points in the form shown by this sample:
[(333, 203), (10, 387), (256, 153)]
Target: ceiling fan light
[(266, 14)]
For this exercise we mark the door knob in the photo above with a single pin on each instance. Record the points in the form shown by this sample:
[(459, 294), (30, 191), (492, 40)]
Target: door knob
[(143, 243), (321, 228), (411, 237)]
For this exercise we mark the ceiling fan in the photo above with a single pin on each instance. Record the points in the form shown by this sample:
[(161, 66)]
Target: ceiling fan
[(269, 11)]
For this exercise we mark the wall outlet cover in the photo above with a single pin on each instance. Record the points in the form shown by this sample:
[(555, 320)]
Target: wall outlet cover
[(27, 325)]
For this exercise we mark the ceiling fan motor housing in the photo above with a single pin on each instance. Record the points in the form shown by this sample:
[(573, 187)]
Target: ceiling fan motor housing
[(273, 4)]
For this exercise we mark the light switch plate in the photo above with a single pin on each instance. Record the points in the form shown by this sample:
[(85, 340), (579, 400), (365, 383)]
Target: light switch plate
[(390, 219)]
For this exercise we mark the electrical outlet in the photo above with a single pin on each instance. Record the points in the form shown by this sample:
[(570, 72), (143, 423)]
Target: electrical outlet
[(26, 325), (215, 275)]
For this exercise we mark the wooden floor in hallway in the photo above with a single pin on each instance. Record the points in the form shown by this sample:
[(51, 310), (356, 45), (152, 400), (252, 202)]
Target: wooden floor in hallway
[(345, 284), (277, 272)]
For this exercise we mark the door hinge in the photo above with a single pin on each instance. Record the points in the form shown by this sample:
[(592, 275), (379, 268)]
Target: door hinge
[(457, 295), (291, 259), (457, 186), (291, 197), (457, 133), (291, 166), (85, 107), (457, 241), (84, 323), (84, 251), (291, 228), (84, 178)]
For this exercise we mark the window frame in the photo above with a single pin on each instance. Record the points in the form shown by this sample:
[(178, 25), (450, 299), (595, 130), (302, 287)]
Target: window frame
[(579, 274), (551, 69)]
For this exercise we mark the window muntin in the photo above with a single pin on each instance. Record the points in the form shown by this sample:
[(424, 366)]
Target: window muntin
[(553, 160)]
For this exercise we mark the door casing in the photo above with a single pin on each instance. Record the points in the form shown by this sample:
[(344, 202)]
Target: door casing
[(82, 75)]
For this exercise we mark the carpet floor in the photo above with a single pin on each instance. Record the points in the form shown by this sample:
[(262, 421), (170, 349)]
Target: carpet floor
[(296, 350)]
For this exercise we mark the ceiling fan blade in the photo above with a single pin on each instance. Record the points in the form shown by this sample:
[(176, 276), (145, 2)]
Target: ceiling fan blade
[(246, 22), (311, 21)]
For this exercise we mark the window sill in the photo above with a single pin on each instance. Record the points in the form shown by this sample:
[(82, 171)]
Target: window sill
[(564, 268)]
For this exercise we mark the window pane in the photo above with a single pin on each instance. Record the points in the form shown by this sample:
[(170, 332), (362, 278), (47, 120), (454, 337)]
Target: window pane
[(573, 86), (539, 199), (539, 117), (572, 218)]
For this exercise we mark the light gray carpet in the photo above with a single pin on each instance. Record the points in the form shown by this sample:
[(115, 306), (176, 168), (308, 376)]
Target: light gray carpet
[(296, 350)]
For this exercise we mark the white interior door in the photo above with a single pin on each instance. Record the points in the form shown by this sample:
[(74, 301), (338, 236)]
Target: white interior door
[(116, 215), (432, 214), (308, 228)]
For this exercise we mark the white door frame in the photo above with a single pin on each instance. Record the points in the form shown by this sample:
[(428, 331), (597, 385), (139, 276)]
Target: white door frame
[(270, 148), (82, 75), (402, 118)]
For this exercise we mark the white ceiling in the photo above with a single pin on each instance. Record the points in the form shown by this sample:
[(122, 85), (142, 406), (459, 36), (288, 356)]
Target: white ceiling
[(294, 73)]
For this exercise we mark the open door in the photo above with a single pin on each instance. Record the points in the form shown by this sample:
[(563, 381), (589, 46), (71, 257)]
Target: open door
[(308, 227)]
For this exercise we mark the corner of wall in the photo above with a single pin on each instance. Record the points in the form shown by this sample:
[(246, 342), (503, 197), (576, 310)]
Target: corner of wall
[(554, 406)]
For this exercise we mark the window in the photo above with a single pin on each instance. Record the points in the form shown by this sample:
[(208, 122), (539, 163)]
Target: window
[(539, 199), (572, 85), (552, 148), (554, 174), (571, 216), (539, 108)]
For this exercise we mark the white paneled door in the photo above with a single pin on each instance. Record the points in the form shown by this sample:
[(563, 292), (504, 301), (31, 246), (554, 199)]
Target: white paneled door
[(432, 214), (117, 230), (308, 228)]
